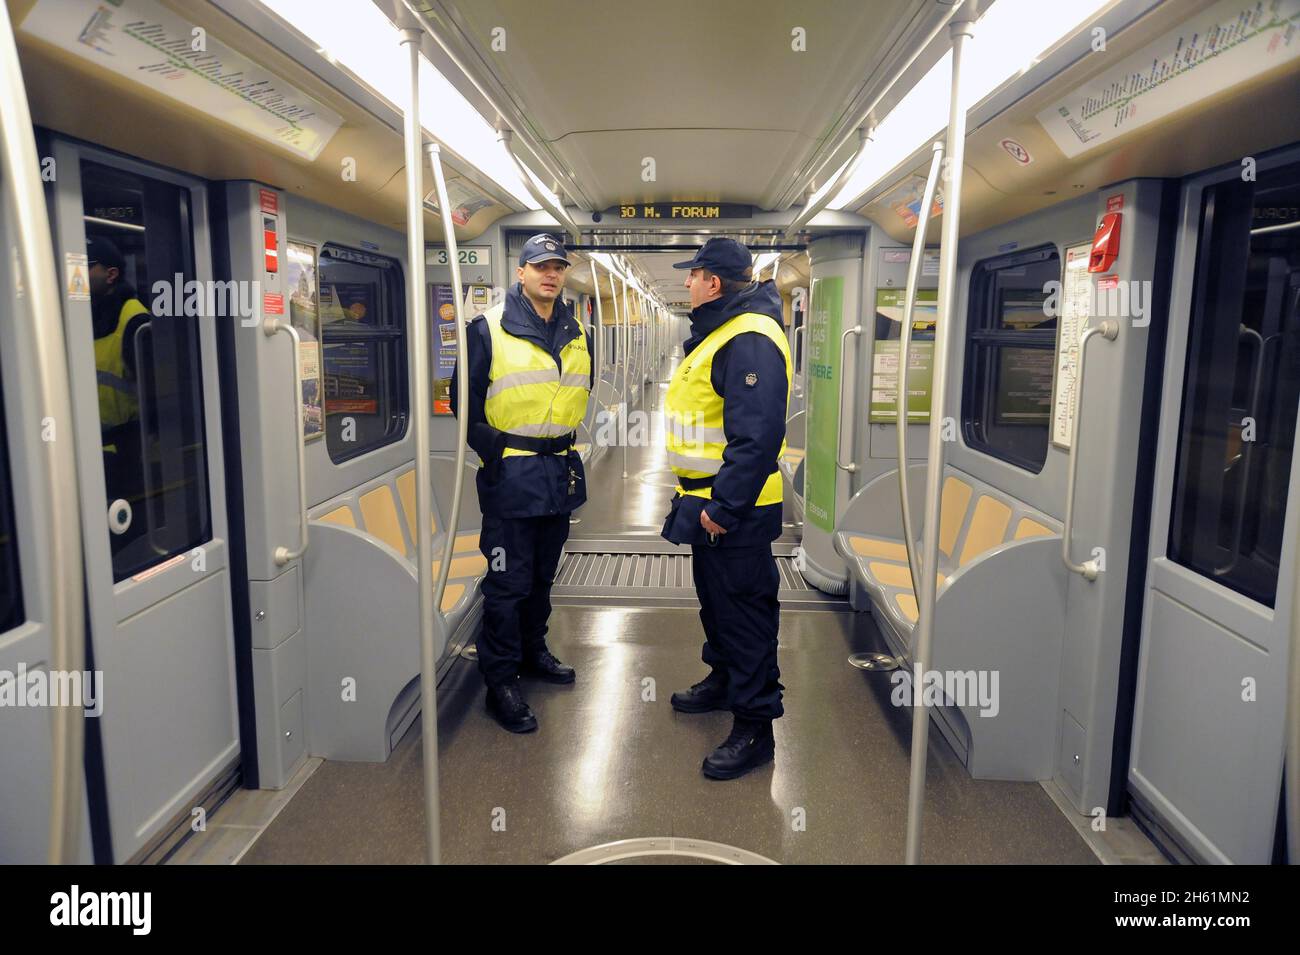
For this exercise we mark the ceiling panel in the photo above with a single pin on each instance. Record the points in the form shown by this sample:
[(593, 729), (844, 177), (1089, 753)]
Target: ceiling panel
[(713, 91)]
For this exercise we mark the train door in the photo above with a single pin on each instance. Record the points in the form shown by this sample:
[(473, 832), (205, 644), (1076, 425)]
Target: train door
[(1209, 725), (133, 248)]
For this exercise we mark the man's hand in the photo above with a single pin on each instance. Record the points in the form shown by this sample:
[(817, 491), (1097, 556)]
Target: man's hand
[(709, 524)]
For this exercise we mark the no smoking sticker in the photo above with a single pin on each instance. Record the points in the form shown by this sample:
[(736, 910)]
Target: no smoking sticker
[(1017, 152)]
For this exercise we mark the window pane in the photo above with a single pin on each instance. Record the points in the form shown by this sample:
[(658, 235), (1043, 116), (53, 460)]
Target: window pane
[(363, 322), (147, 365), (1241, 387), (1010, 358), (11, 584)]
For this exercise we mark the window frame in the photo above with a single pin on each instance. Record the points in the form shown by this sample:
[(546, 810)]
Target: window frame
[(395, 403), (985, 344)]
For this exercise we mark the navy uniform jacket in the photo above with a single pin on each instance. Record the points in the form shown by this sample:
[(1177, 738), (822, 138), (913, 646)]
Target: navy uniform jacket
[(753, 420), (527, 485)]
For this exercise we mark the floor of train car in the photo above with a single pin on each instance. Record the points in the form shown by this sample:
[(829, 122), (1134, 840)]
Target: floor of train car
[(608, 765)]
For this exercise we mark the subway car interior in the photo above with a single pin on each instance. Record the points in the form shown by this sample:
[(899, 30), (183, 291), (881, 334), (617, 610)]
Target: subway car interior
[(244, 242)]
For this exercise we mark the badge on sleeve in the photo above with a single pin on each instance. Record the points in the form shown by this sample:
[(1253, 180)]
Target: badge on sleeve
[(751, 379)]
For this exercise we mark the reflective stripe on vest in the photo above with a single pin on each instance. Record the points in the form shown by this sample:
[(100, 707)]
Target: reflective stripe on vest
[(527, 393), (117, 395), (693, 411)]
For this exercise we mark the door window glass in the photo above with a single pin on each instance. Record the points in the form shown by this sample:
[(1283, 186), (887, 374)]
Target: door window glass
[(145, 322), (363, 326), (1010, 357), (1241, 387)]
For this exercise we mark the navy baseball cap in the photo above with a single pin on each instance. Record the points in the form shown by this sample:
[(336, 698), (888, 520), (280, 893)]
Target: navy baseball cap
[(543, 248), (723, 257), (103, 251)]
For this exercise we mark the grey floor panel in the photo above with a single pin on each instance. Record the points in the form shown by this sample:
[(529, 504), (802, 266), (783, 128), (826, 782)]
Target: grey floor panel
[(609, 764)]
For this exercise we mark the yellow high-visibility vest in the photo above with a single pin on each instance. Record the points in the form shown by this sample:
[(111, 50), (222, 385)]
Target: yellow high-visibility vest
[(118, 404), (527, 394), (693, 411)]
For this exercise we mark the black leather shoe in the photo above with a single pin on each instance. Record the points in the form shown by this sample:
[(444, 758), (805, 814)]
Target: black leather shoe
[(544, 666), (508, 708), (749, 746), (709, 694)]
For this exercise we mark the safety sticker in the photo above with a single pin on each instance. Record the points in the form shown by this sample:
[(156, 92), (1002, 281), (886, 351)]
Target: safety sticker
[(77, 271), (273, 303)]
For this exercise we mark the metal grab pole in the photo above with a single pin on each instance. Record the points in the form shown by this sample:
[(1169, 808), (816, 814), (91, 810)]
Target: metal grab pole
[(627, 367), (63, 569), (618, 353), (421, 411), (598, 340), (960, 29), (462, 385), (904, 346)]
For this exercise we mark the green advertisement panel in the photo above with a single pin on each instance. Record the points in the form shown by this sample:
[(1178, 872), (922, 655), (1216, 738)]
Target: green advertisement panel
[(825, 316), (920, 356)]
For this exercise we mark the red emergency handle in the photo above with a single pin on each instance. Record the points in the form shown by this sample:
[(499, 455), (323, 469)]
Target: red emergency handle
[(1105, 244)]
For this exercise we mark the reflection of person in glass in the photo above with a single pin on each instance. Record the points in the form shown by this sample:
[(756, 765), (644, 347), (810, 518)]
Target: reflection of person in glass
[(118, 315)]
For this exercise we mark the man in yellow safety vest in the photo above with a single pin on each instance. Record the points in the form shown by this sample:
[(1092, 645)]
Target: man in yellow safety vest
[(724, 425), (530, 374)]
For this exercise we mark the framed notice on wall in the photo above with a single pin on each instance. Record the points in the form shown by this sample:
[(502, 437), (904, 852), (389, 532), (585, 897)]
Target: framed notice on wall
[(304, 315), (920, 355), (1074, 309)]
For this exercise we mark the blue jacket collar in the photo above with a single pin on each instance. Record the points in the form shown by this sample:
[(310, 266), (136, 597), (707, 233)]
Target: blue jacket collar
[(760, 297)]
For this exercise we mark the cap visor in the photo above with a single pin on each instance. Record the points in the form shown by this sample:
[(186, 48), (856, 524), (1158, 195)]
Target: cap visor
[(692, 264), (547, 258)]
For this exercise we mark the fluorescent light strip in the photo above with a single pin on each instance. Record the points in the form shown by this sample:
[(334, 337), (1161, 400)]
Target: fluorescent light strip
[(994, 55), (367, 44)]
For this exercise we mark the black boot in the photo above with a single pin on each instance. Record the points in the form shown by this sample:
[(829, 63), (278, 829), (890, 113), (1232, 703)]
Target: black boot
[(508, 708), (709, 694), (544, 666), (750, 745)]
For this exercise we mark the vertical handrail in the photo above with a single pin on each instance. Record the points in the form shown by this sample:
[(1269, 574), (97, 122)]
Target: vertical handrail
[(960, 29), (598, 341), (904, 347), (618, 353), (627, 367), (1089, 569), (421, 417), (800, 356), (62, 572), (270, 327), (839, 435)]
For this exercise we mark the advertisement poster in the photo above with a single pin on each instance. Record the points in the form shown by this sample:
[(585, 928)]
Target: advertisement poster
[(464, 199), (825, 317), (443, 310), (478, 298), (300, 280), (351, 369), (884, 359)]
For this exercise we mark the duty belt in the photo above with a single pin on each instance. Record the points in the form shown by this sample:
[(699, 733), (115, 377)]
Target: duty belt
[(560, 445), (696, 484)]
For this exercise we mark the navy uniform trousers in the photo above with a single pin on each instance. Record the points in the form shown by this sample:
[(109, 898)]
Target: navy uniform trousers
[(523, 554), (738, 606)]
